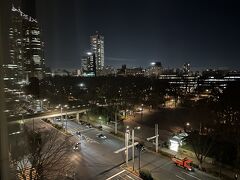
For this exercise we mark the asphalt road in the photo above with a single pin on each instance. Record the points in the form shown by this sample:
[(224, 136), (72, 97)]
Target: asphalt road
[(95, 158)]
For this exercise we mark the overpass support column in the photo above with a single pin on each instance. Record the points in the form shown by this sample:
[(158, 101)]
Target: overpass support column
[(77, 117)]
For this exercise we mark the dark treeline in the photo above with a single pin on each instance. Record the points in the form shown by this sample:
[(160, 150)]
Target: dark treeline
[(130, 90)]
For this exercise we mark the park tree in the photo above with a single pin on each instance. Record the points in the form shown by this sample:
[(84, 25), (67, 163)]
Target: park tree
[(228, 120), (201, 145), (41, 155)]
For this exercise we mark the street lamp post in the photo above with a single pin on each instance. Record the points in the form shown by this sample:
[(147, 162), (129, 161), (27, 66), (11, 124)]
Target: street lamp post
[(187, 127), (141, 112), (156, 134), (133, 148), (21, 124), (61, 115), (115, 124), (126, 145), (66, 122)]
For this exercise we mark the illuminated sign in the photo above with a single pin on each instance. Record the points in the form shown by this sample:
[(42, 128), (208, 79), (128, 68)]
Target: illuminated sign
[(25, 16)]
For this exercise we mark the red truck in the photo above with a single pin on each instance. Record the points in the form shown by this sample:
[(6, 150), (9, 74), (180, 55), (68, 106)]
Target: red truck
[(183, 162)]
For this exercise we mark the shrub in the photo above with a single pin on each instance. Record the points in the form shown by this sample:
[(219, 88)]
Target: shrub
[(145, 175)]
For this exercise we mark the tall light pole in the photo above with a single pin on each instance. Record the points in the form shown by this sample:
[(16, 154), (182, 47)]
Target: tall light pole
[(126, 145), (61, 115), (21, 123), (133, 148), (141, 112), (66, 122), (156, 134), (155, 137), (115, 124)]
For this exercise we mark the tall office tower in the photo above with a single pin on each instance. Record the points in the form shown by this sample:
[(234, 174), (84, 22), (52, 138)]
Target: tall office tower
[(26, 46), (97, 47), (89, 64)]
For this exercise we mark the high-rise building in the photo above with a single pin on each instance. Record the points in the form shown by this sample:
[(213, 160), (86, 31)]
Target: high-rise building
[(97, 47), (26, 45), (89, 64)]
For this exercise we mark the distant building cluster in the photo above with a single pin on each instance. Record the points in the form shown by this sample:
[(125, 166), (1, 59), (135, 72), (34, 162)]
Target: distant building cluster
[(183, 77)]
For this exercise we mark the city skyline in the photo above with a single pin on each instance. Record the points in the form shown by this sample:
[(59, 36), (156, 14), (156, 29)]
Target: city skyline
[(119, 90), (203, 33)]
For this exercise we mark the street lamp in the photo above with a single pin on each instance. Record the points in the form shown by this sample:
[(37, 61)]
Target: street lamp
[(61, 114), (187, 127), (66, 122), (141, 112)]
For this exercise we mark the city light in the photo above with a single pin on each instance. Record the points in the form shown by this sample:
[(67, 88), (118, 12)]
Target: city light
[(149, 80)]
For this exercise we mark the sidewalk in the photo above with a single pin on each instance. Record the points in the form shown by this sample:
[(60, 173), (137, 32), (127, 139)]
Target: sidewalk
[(210, 168)]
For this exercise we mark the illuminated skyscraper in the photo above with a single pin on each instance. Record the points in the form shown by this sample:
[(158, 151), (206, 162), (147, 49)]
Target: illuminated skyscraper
[(97, 47), (26, 46)]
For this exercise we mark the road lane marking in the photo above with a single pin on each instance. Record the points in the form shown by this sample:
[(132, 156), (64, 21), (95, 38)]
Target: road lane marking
[(180, 177), (191, 175), (86, 130), (116, 175), (123, 177), (129, 177)]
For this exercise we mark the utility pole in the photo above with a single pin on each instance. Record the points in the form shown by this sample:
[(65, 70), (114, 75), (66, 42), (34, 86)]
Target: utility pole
[(61, 116), (66, 122), (155, 137), (156, 134), (115, 125), (21, 124), (133, 148), (126, 146), (139, 166)]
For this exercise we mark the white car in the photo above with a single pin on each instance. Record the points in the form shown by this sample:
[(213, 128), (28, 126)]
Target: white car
[(101, 136), (76, 147)]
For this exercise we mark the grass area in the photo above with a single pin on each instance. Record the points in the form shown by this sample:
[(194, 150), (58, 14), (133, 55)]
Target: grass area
[(187, 147)]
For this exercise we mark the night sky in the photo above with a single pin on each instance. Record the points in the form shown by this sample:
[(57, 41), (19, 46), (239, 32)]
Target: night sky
[(137, 32)]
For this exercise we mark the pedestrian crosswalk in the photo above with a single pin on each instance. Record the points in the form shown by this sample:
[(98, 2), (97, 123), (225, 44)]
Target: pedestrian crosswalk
[(73, 128), (124, 175)]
